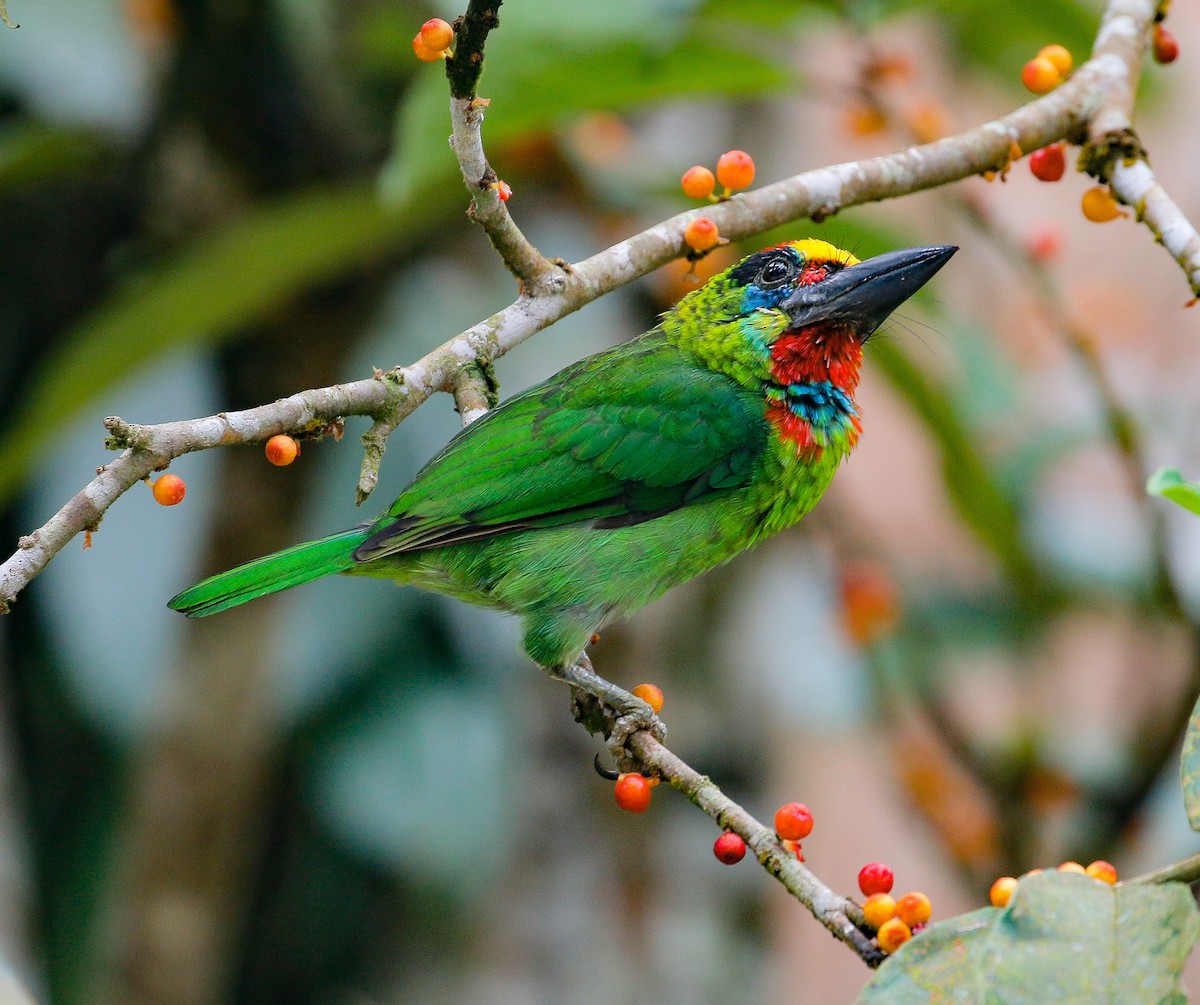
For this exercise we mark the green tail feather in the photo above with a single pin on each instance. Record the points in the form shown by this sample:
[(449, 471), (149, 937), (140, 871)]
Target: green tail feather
[(270, 574)]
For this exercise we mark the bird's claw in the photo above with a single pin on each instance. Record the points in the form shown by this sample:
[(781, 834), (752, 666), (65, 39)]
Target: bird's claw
[(636, 717)]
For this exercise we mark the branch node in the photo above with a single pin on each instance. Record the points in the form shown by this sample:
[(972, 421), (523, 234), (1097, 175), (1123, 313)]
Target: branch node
[(27, 541)]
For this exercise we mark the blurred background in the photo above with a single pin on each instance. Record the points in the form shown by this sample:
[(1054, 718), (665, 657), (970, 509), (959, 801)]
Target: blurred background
[(975, 657)]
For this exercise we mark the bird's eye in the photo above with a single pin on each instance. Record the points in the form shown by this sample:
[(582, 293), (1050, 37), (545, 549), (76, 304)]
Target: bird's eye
[(775, 272)]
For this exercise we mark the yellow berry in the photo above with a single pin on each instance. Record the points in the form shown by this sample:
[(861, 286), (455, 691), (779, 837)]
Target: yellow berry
[(735, 169), (1098, 205), (1002, 891), (698, 182), (436, 34), (651, 695), (1072, 867), (879, 908), (1040, 75), (702, 234), (1059, 56), (892, 935), (914, 908), (1106, 872)]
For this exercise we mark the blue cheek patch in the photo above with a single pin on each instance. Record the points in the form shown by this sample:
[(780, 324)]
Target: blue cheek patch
[(754, 297)]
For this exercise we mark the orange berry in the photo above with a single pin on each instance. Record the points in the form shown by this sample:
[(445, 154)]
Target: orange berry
[(1106, 872), (865, 120), (914, 909), (651, 695), (1098, 205), (1040, 75), (729, 848), (927, 121), (503, 190), (1166, 45), (892, 935), (698, 182), (1072, 867), (878, 908), (1049, 163), (169, 490), (281, 450), (735, 169), (1059, 56), (793, 822), (702, 234), (875, 877), (870, 607), (1002, 891), (632, 792), (436, 34), (423, 52)]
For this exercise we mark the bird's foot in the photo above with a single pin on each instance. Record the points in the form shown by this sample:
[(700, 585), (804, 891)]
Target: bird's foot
[(622, 714)]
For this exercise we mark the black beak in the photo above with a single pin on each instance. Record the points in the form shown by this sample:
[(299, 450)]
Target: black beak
[(863, 295)]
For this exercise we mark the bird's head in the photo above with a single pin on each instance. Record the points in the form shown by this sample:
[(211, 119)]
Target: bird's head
[(799, 297)]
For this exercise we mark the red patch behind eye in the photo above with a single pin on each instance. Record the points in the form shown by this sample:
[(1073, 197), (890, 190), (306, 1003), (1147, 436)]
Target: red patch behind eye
[(813, 272)]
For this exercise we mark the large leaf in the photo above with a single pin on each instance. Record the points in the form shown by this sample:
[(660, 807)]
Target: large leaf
[(1189, 768), (1170, 484), (1064, 938), (204, 294)]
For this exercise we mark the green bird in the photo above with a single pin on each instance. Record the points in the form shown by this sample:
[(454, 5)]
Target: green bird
[(594, 492)]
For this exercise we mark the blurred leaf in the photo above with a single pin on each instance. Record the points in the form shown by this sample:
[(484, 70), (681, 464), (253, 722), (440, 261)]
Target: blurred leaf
[(524, 80), (4, 15), (1170, 484), (31, 152), (1063, 938), (204, 294), (1189, 768)]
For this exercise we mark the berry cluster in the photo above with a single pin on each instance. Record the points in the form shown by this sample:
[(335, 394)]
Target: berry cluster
[(1002, 890), (895, 919), (281, 450), (432, 42), (1049, 68), (735, 171)]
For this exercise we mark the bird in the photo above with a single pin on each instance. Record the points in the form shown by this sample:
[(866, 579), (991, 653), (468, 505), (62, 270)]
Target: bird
[(579, 500)]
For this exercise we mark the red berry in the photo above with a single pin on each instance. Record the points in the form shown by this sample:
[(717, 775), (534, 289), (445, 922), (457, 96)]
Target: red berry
[(503, 190), (169, 490), (698, 182), (423, 52), (729, 848), (875, 877), (632, 792), (793, 822), (436, 34), (1049, 163), (1166, 45), (702, 234), (735, 169), (1040, 75), (281, 450), (1059, 56), (651, 695)]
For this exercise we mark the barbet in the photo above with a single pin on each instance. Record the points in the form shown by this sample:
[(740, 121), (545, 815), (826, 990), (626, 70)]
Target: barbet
[(586, 496)]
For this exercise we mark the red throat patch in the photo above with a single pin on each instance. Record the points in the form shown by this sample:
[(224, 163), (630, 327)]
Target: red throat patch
[(819, 353)]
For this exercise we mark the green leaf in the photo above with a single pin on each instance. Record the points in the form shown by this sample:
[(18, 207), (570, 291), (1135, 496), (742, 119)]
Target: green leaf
[(1064, 938), (205, 294), (1170, 484), (1189, 768)]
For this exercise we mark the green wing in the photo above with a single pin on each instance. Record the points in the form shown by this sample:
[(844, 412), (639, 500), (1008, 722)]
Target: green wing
[(616, 439)]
